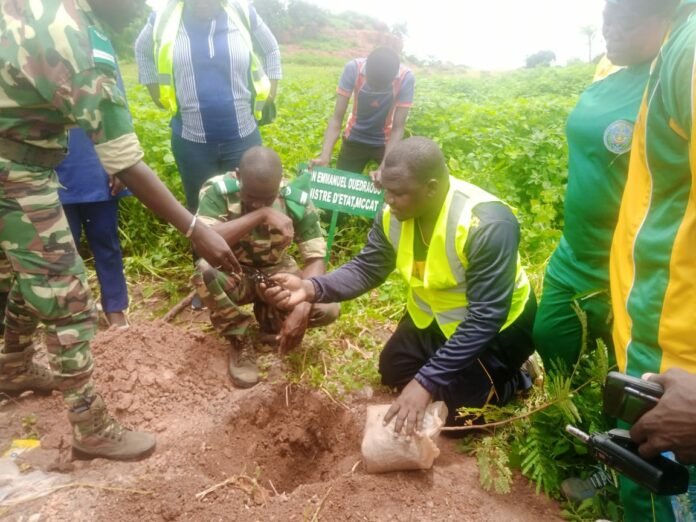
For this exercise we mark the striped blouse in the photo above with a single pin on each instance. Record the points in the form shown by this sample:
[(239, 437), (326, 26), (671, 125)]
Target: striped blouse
[(211, 68)]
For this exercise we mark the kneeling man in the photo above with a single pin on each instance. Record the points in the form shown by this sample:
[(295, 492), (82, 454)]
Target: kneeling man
[(259, 215), (470, 307)]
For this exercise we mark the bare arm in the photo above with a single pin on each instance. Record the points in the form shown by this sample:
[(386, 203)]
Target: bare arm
[(333, 130), (397, 132), (154, 90), (234, 230), (274, 90), (148, 188), (314, 267)]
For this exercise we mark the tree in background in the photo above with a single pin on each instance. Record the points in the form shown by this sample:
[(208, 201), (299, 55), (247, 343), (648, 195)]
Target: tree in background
[(123, 40), (589, 31), (541, 59), (306, 20), (274, 14)]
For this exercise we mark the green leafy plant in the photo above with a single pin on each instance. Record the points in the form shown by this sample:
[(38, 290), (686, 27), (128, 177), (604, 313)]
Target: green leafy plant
[(503, 132), (530, 432)]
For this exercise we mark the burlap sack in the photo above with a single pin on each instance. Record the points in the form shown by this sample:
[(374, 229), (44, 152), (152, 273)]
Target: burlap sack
[(382, 451)]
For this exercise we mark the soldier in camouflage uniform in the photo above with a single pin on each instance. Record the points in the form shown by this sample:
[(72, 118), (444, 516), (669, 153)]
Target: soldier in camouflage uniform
[(259, 215), (57, 69)]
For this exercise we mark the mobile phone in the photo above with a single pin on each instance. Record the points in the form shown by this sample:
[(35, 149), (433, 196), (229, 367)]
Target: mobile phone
[(628, 398)]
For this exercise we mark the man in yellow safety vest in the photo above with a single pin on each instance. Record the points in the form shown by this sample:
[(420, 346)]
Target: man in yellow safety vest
[(470, 307)]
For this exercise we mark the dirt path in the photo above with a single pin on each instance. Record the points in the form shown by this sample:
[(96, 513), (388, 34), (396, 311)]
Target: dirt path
[(287, 453)]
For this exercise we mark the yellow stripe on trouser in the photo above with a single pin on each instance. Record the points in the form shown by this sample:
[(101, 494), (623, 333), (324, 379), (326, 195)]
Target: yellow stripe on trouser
[(676, 333), (634, 208)]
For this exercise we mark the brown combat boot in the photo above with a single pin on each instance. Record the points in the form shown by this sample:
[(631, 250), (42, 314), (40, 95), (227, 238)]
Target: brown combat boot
[(96, 434), (242, 364), (18, 373)]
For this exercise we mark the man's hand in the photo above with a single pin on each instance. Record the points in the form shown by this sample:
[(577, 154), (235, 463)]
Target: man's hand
[(409, 409), (115, 185), (154, 90), (321, 161), (376, 176), (671, 424), (290, 292), (280, 222), (214, 249), (294, 328)]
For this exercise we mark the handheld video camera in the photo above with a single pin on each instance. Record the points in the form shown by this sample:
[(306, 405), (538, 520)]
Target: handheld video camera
[(628, 398)]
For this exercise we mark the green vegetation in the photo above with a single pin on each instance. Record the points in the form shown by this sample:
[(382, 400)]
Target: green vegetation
[(299, 21), (502, 132)]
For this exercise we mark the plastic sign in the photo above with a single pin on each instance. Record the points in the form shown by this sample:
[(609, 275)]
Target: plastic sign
[(342, 191)]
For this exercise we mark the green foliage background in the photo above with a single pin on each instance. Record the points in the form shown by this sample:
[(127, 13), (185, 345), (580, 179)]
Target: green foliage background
[(504, 133)]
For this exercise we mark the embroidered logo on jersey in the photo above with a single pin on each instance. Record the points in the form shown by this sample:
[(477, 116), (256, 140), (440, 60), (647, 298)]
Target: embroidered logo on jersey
[(618, 136)]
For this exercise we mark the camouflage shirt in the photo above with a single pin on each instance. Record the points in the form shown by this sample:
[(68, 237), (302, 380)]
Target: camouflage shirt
[(58, 70), (220, 203)]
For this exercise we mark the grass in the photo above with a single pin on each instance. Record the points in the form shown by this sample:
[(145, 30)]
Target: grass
[(503, 132)]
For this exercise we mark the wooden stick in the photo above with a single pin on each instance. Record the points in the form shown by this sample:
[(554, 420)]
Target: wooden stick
[(235, 482), (202, 494), (177, 308), (315, 518)]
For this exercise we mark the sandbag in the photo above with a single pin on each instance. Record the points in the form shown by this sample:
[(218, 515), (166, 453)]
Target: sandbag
[(383, 451)]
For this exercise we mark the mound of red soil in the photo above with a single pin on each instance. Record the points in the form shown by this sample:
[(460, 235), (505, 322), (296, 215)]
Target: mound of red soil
[(275, 452)]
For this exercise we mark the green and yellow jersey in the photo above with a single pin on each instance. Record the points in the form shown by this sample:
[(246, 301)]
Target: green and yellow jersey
[(653, 267), (600, 132)]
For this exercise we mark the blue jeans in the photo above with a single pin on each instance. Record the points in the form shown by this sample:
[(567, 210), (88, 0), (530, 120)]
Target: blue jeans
[(198, 162), (100, 222)]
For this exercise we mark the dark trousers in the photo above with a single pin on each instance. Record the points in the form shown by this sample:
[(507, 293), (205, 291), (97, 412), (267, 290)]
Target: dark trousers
[(494, 377), (100, 223), (198, 162), (353, 156)]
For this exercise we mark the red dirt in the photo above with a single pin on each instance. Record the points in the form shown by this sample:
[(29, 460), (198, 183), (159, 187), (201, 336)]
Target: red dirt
[(291, 453)]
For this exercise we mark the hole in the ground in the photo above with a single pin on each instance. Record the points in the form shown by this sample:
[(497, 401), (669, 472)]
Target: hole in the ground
[(287, 439)]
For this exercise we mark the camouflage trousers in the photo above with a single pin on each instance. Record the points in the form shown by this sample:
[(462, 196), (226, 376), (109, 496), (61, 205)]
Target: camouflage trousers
[(45, 279), (225, 294)]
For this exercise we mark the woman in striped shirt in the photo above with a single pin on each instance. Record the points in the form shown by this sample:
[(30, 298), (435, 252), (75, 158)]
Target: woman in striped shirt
[(213, 121)]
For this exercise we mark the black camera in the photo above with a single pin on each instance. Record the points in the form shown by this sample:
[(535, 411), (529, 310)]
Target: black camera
[(628, 398)]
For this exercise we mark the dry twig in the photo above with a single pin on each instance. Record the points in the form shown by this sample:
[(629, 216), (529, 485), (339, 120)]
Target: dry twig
[(236, 481), (177, 308), (315, 518), (29, 498), (331, 397)]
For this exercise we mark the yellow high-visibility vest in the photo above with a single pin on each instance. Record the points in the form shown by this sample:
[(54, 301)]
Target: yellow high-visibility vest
[(442, 292), (167, 23)]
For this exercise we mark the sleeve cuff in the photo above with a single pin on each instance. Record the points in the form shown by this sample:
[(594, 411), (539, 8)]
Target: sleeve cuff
[(427, 384), (343, 92), (120, 154), (312, 248), (318, 294)]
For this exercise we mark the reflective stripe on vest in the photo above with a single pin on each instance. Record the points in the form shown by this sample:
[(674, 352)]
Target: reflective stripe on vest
[(166, 28), (442, 293)]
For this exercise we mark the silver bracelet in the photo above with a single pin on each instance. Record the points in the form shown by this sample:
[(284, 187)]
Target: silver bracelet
[(189, 232)]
